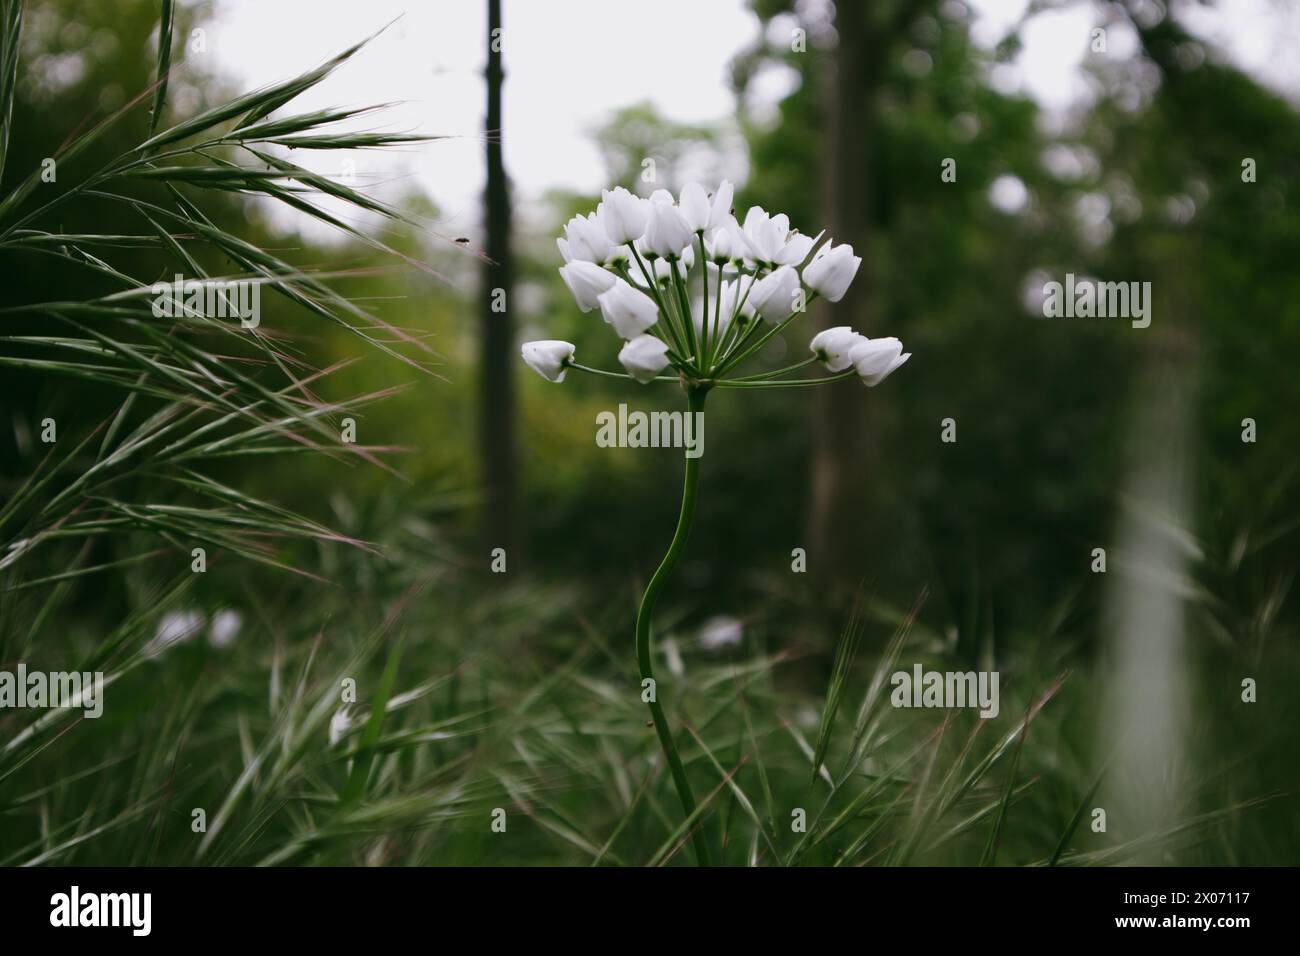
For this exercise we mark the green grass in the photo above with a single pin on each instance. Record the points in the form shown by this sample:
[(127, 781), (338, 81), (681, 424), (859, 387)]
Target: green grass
[(518, 699)]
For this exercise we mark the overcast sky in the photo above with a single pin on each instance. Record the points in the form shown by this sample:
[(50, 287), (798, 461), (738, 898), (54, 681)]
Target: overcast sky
[(570, 63)]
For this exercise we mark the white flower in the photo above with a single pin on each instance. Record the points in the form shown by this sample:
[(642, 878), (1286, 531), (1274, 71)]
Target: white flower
[(833, 346), (767, 239), (667, 232), (797, 247), (773, 295), (586, 281), (587, 240), (339, 724), (718, 246), (225, 627), (663, 269), (759, 237), (831, 270), (622, 215), (719, 632), (673, 656), (875, 359), (695, 207), (644, 357), (174, 627), (720, 212), (630, 311), (549, 358)]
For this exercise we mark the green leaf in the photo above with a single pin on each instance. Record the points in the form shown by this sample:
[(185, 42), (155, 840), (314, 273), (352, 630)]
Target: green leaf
[(164, 64), (356, 784)]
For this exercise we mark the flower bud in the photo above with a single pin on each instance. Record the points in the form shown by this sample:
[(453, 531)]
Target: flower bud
[(586, 281), (719, 247), (694, 207), (831, 270), (628, 310), (720, 210), (875, 359), (773, 295), (548, 358), (666, 233), (833, 346), (644, 357), (587, 240), (622, 215)]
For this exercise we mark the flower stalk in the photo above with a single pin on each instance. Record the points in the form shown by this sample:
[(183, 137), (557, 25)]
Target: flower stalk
[(767, 273), (644, 646)]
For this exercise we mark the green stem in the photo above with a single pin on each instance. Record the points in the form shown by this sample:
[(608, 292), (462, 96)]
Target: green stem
[(734, 341), (653, 286), (736, 359), (722, 334), (695, 403), (766, 376), (788, 383), (623, 375), (706, 349), (688, 321), (663, 335)]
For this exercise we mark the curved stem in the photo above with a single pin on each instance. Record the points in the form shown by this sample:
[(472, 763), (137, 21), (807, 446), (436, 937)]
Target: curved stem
[(695, 403)]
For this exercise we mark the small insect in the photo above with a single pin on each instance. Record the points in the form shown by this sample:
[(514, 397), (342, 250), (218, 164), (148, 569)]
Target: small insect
[(649, 723), (461, 239)]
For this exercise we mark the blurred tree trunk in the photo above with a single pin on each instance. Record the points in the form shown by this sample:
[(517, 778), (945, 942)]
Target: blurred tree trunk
[(842, 429), (496, 381)]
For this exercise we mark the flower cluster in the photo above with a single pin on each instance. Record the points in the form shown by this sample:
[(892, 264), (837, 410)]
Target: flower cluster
[(688, 287)]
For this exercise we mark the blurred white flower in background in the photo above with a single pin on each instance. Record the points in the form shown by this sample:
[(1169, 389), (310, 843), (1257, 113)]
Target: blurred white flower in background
[(673, 655), (340, 723), (174, 627), (226, 624), (719, 632)]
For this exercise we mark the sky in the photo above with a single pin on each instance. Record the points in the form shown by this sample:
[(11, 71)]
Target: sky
[(571, 63)]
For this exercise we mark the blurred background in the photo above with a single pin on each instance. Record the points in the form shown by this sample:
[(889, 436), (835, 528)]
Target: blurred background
[(1129, 141)]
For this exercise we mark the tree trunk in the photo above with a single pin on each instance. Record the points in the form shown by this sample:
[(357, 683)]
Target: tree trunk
[(842, 430), (496, 380)]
